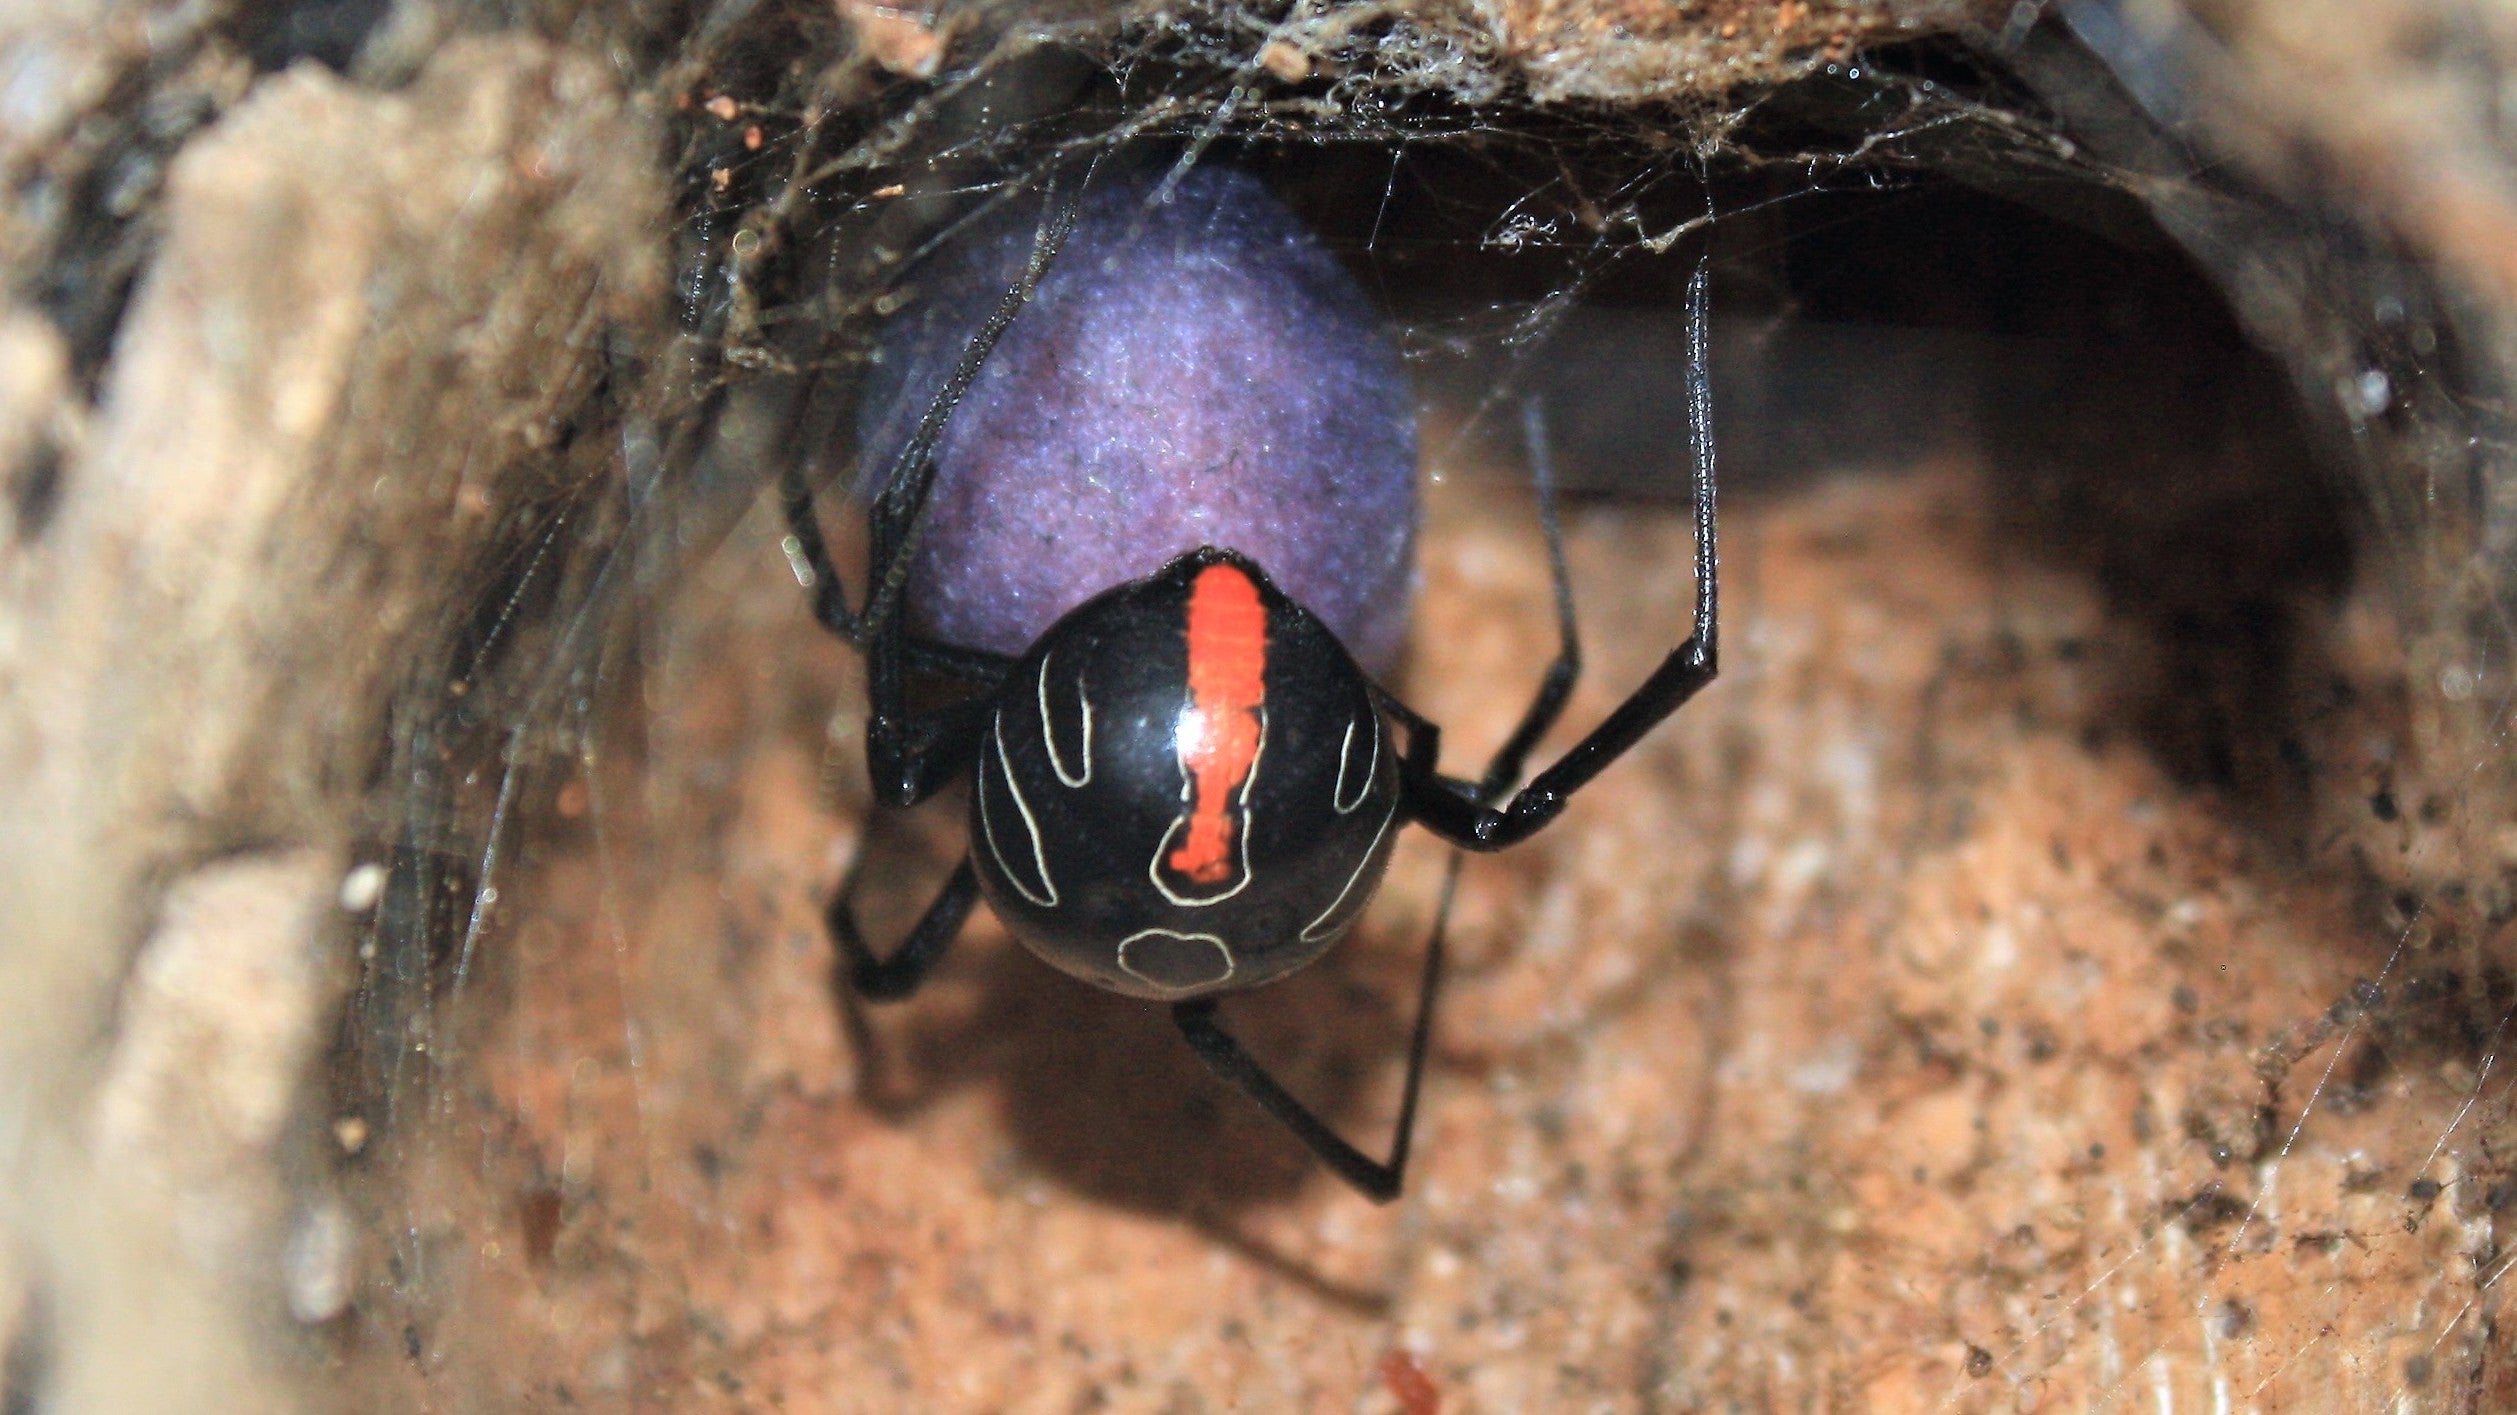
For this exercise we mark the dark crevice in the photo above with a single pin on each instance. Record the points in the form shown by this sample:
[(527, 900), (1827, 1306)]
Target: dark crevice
[(326, 32), (2130, 429), (25, 1368), (35, 490), (105, 184), (2133, 432)]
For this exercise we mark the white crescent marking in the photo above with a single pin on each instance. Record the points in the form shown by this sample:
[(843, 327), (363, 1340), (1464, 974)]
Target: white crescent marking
[(1345, 752), (987, 825), (1314, 931), (1048, 732)]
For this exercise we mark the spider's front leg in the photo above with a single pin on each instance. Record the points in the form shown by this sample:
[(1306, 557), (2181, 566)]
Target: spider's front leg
[(909, 754), (1376, 1180), (912, 754), (1457, 811)]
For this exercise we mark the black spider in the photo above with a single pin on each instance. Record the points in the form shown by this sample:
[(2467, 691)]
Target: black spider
[(1186, 786)]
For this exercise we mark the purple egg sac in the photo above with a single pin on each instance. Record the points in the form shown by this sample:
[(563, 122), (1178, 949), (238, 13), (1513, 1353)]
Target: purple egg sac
[(1199, 372)]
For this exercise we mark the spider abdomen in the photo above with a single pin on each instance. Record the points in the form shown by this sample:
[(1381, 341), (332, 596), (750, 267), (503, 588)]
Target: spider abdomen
[(1184, 787)]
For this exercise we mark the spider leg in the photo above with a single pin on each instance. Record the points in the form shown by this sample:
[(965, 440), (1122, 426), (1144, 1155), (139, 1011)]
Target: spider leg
[(977, 667), (808, 549), (811, 553), (895, 517), (1463, 817), (910, 754), (1223, 1055), (890, 979), (910, 758), (1556, 689)]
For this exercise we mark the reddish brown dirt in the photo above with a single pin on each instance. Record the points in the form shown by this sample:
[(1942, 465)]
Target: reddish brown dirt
[(1888, 1033)]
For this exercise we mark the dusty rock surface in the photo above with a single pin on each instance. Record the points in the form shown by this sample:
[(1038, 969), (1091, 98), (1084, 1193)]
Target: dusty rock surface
[(217, 575), (1891, 1032), (1906, 1027)]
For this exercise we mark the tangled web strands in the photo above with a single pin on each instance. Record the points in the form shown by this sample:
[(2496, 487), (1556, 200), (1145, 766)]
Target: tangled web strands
[(503, 775)]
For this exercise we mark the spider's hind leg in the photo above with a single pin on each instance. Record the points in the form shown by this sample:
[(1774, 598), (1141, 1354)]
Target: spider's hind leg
[(889, 979), (1222, 1053), (1375, 1180)]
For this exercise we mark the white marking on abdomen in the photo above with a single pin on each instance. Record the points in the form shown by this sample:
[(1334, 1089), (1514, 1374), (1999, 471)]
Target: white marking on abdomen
[(1048, 730), (1316, 930), (987, 824), (1345, 751), (1231, 965)]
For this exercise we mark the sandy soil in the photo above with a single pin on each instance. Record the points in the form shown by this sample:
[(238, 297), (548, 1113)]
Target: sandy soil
[(1890, 1032)]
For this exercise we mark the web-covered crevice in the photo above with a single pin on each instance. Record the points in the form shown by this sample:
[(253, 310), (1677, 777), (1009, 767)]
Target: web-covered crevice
[(2063, 966)]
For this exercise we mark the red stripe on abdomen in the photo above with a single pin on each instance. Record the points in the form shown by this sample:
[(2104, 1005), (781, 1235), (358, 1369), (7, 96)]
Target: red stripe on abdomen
[(1227, 633)]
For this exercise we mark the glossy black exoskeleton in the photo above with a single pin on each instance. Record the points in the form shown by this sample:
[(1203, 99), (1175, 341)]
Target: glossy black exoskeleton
[(1172, 843), (1185, 786)]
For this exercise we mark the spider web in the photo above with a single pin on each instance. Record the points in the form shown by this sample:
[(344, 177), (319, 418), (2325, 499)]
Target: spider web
[(2058, 967)]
